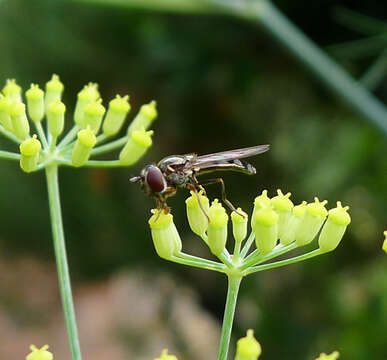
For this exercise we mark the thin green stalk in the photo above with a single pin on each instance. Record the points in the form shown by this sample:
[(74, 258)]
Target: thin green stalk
[(194, 263), (69, 137), (234, 282), (42, 135), (61, 260), (201, 261), (9, 155), (93, 163), (264, 13), (10, 135), (276, 264), (109, 146), (247, 245)]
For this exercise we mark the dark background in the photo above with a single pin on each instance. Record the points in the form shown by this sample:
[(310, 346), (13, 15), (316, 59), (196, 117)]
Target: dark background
[(219, 84)]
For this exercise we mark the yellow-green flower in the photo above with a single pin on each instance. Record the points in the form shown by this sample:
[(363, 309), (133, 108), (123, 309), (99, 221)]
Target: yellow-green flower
[(12, 90), (138, 143), (239, 225), (35, 103), (54, 90), (144, 118), (20, 125), (29, 150), (87, 95), (283, 207), (86, 140), (116, 114), (217, 228), (384, 247), (289, 232), (166, 356), (248, 348), (39, 354), (333, 356), (334, 228), (196, 218), (265, 227), (166, 238)]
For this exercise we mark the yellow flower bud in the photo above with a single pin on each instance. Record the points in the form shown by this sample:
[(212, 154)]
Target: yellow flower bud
[(35, 103), (39, 354), (93, 115), (20, 125), (196, 218), (217, 228), (12, 90), (384, 246), (166, 238), (87, 95), (138, 143), (115, 117), (86, 140), (333, 356), (261, 201), (311, 223), (334, 228), (55, 117), (283, 206), (248, 348), (265, 227), (5, 108), (54, 90), (239, 225), (166, 356), (144, 118), (29, 150), (289, 232)]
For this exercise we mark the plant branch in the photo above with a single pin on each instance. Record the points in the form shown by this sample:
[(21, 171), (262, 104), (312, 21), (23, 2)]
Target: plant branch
[(9, 155), (61, 260)]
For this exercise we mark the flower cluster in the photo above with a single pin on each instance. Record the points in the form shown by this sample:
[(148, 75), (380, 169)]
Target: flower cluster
[(93, 125), (39, 354), (277, 227)]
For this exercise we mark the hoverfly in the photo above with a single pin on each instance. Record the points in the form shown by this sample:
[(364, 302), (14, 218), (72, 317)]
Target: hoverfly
[(161, 180)]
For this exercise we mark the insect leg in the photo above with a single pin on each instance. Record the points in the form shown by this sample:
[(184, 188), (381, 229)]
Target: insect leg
[(224, 198), (195, 190)]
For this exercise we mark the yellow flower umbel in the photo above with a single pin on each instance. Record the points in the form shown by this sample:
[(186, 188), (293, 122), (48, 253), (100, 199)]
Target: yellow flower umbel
[(217, 228), (138, 143), (334, 228), (248, 348), (311, 223), (39, 354), (166, 238), (196, 218), (166, 356), (144, 118), (333, 356), (29, 150)]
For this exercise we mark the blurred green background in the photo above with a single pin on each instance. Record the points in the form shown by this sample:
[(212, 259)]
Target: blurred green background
[(219, 84)]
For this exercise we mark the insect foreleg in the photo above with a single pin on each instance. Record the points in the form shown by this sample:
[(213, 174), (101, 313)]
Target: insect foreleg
[(223, 188), (195, 190)]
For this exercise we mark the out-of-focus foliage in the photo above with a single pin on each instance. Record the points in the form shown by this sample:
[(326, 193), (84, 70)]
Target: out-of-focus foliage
[(220, 84)]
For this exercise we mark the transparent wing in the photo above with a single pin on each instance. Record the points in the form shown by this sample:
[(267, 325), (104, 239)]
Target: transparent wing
[(226, 156)]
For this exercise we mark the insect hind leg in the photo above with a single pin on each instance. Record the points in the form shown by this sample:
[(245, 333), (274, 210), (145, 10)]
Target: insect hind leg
[(227, 202)]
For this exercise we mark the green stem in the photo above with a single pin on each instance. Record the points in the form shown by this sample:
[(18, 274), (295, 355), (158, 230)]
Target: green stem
[(194, 263), (10, 135), (61, 260), (42, 135), (202, 261), (327, 70), (284, 262), (228, 318), (109, 146), (93, 163), (69, 137), (9, 155), (247, 245)]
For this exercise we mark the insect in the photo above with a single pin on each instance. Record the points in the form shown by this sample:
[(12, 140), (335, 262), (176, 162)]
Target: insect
[(161, 180)]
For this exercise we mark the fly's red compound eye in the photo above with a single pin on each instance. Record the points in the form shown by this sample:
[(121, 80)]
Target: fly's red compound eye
[(155, 179)]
